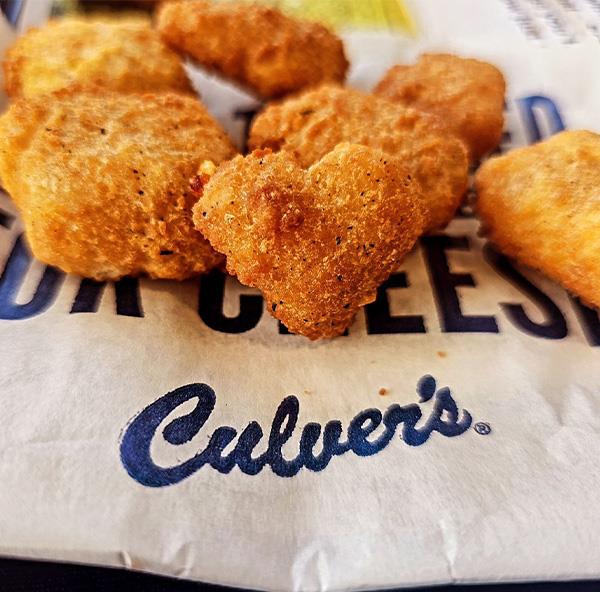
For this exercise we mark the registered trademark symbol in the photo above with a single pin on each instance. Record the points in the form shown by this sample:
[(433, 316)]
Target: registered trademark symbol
[(482, 428)]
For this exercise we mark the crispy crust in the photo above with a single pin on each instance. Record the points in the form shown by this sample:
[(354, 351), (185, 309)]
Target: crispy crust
[(316, 242), (12, 66), (102, 182), (312, 123), (467, 94), (123, 55), (257, 46), (541, 206)]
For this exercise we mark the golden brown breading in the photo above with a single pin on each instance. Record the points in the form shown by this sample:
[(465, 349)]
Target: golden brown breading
[(311, 124), (257, 46), (102, 182), (467, 94), (316, 242), (124, 55), (541, 205)]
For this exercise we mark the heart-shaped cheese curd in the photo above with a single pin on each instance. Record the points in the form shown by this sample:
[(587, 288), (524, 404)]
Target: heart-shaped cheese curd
[(316, 242)]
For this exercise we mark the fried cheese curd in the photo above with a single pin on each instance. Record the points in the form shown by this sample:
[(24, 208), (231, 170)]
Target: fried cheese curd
[(257, 46), (467, 94), (541, 206), (124, 55), (316, 242), (312, 123), (102, 183)]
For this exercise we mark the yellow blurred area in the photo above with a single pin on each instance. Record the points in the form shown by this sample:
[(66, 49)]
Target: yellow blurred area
[(391, 14)]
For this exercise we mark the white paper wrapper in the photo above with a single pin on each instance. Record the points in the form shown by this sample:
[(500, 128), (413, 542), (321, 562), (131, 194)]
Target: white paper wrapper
[(501, 485)]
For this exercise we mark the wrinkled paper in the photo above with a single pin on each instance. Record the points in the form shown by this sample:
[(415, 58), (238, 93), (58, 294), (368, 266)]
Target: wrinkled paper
[(176, 428)]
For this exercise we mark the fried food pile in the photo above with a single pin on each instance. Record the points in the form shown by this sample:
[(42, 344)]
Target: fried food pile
[(101, 180), (541, 206), (310, 125), (467, 94), (113, 180), (317, 242), (124, 55), (256, 46)]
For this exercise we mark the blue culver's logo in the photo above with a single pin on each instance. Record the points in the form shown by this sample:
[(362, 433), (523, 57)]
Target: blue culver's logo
[(443, 417)]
